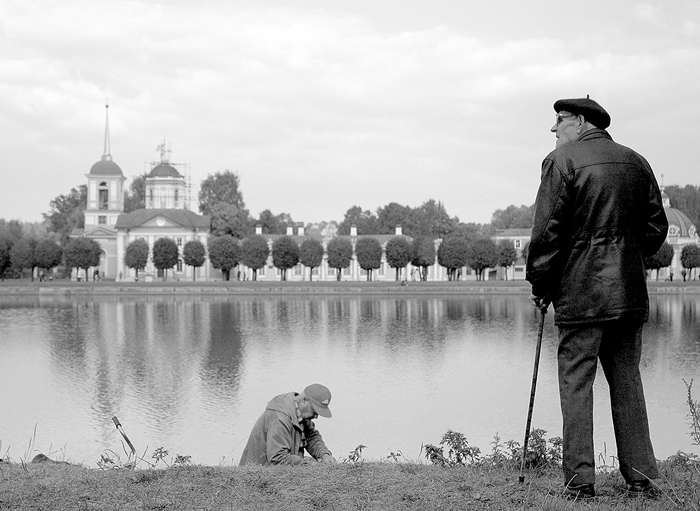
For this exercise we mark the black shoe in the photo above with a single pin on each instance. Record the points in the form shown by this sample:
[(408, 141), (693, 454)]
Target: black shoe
[(641, 489), (579, 491)]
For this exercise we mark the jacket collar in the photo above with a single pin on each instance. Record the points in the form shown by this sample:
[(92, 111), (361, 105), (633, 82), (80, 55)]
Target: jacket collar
[(593, 134)]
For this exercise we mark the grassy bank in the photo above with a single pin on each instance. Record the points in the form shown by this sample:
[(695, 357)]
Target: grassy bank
[(353, 486)]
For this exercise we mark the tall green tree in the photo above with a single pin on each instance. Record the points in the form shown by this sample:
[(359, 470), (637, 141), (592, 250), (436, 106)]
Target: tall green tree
[(136, 255), (398, 254), (311, 255), (221, 187), (661, 259), (135, 196), (274, 224), (369, 255), (393, 214), (513, 217), (194, 254), (82, 253), (48, 255), (165, 255), (5, 261), (66, 213), (22, 255), (365, 221), (452, 254), (690, 259), (12, 230), (482, 254), (339, 253), (229, 219), (431, 219), (506, 255), (285, 254), (224, 253), (254, 253), (423, 254)]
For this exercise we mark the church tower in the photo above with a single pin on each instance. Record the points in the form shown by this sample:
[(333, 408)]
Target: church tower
[(105, 190)]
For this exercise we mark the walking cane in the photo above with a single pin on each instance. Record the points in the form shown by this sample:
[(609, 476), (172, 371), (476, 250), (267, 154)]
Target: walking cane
[(121, 430), (532, 396)]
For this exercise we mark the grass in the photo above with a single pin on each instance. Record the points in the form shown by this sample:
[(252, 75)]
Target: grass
[(385, 485)]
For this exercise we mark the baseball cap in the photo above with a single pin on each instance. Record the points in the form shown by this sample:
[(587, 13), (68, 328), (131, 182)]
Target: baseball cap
[(320, 398)]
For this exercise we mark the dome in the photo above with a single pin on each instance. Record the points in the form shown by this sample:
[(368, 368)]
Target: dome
[(106, 167), (164, 170), (679, 224)]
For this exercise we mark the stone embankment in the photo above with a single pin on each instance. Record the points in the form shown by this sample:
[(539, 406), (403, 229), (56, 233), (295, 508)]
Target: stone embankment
[(237, 288)]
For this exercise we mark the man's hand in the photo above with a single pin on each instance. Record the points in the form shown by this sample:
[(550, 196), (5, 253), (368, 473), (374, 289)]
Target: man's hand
[(539, 302), (327, 458)]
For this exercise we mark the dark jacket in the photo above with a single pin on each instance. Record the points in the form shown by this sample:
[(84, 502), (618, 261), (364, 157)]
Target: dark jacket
[(598, 214), (279, 438)]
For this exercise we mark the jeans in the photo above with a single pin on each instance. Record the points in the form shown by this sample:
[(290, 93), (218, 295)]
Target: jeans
[(618, 346)]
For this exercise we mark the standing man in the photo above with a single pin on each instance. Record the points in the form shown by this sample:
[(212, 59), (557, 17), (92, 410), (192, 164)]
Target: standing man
[(598, 214), (285, 430)]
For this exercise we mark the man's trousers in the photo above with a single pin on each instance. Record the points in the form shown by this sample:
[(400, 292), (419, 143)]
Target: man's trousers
[(618, 345)]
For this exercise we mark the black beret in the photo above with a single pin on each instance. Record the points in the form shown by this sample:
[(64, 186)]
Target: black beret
[(591, 111)]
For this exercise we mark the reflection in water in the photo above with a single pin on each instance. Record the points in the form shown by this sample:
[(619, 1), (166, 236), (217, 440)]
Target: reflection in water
[(191, 374)]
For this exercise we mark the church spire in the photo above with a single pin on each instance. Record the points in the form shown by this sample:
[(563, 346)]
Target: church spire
[(107, 156)]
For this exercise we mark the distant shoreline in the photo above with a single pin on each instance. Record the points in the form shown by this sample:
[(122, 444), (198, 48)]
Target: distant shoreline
[(237, 288)]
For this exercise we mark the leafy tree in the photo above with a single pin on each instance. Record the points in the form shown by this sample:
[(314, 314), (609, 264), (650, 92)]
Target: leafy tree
[(513, 217), (482, 254), (12, 231), (254, 253), (274, 224), (507, 255), (394, 214), (285, 254), (221, 187), (661, 259), (48, 254), (66, 213), (690, 259), (398, 254), (194, 254), (165, 255), (339, 251), (135, 197), (136, 255), (5, 261), (83, 253), (224, 253), (228, 219), (311, 255), (369, 255), (365, 221), (452, 254), (22, 255), (431, 219), (423, 254)]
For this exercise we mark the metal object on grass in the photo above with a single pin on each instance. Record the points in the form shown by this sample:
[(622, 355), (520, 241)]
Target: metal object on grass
[(121, 430)]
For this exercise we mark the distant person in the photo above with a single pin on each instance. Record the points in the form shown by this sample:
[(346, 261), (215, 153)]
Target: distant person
[(598, 214), (285, 430), (41, 276)]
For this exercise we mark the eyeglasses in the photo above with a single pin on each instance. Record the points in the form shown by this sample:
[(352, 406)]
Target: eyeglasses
[(563, 116)]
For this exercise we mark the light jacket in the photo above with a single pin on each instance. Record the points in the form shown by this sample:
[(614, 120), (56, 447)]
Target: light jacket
[(598, 214), (279, 438)]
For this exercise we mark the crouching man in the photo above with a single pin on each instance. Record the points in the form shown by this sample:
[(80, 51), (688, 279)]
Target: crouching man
[(285, 430)]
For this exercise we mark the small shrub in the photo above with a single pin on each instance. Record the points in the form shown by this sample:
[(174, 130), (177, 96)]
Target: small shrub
[(693, 414), (355, 456)]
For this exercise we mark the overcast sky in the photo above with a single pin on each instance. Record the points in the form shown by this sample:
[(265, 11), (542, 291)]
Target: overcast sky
[(321, 105)]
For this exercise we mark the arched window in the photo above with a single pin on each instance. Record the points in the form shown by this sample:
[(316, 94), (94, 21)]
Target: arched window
[(103, 197)]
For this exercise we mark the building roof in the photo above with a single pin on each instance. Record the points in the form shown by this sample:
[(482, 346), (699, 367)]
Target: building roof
[(106, 167), (684, 228), (182, 217), (164, 169), (513, 233)]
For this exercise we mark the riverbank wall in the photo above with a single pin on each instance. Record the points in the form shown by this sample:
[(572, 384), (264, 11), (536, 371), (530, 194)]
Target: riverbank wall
[(237, 288)]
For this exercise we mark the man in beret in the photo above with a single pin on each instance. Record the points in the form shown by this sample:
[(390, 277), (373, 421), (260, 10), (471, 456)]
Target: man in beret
[(285, 430), (598, 214)]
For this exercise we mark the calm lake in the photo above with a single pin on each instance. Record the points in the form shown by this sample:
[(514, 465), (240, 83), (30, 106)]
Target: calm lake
[(192, 374)]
